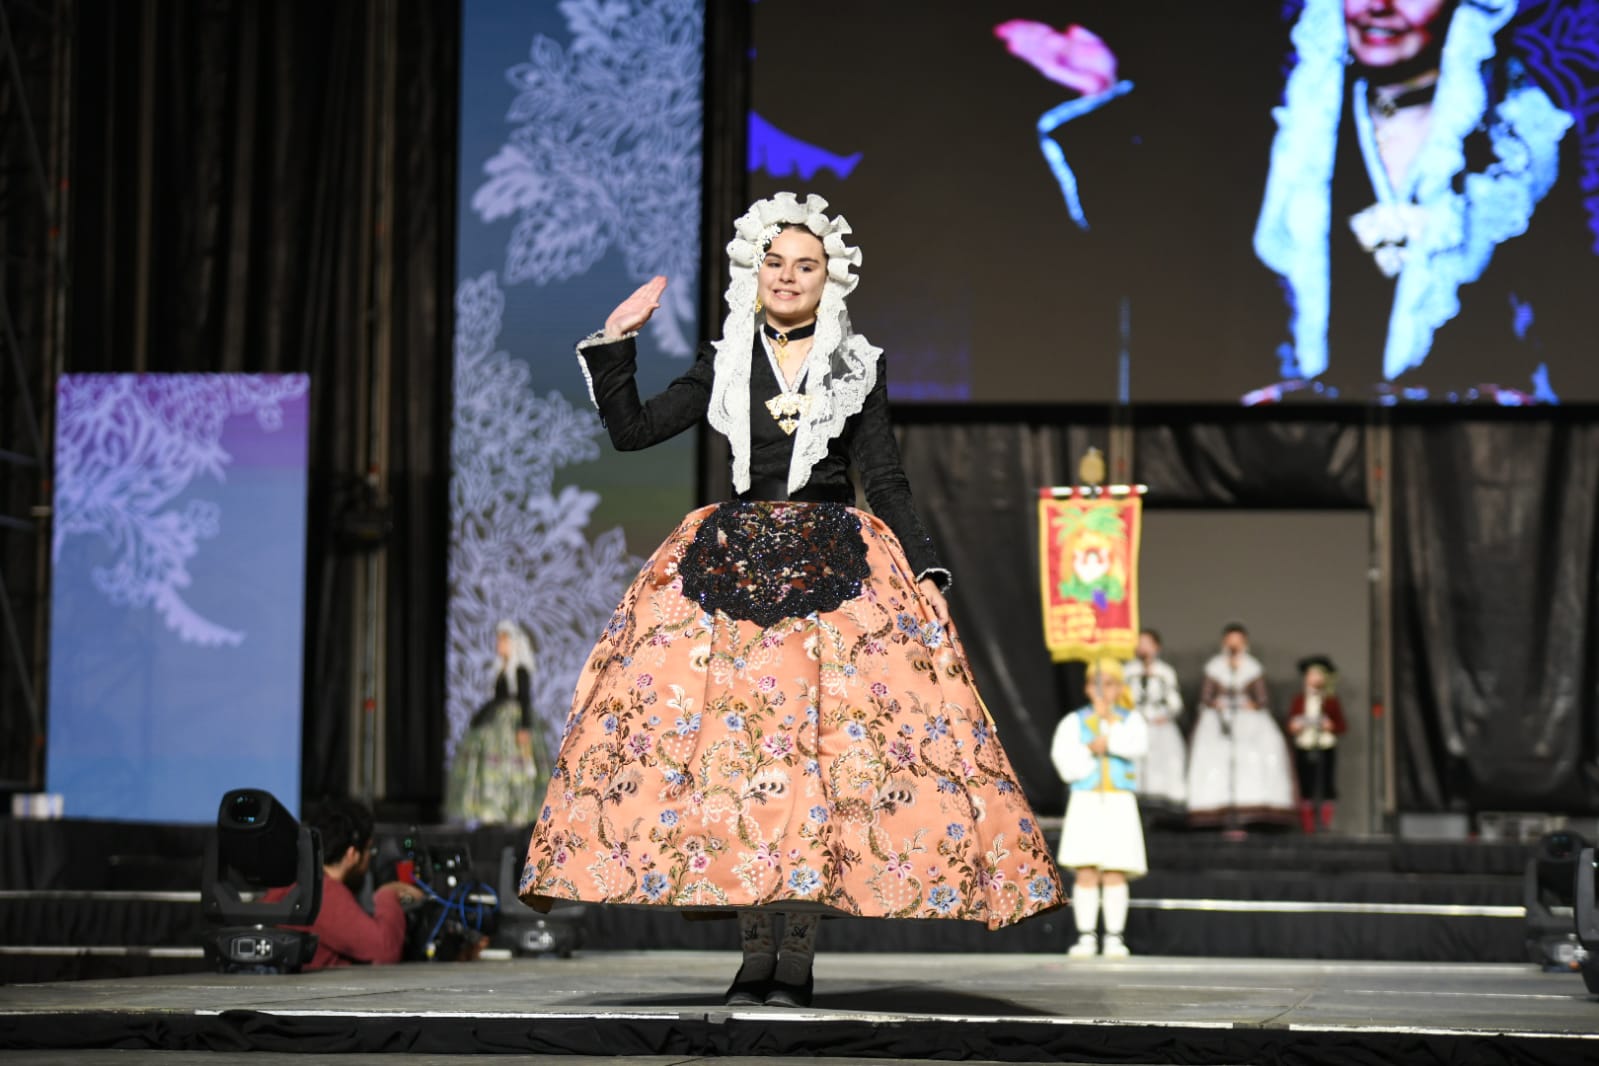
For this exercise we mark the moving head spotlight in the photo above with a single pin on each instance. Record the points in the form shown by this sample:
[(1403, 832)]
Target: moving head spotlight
[(257, 846)]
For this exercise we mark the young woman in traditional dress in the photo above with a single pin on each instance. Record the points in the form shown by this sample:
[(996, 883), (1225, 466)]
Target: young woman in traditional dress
[(779, 719), (1239, 771), (1163, 770)]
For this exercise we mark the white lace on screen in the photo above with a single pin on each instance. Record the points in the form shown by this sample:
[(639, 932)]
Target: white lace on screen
[(847, 361)]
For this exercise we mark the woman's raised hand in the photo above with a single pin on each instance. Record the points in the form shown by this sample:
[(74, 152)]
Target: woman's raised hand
[(631, 314), (1074, 57)]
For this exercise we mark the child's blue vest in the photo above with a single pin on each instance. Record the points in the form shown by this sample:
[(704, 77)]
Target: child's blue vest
[(1123, 776)]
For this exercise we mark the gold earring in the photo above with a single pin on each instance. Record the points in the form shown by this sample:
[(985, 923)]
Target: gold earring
[(757, 304)]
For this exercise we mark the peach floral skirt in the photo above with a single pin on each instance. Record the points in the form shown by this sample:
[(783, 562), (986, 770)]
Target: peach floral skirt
[(774, 718)]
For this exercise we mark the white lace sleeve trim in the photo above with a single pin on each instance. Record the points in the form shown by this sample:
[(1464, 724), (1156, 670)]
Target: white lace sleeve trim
[(594, 340), (935, 572)]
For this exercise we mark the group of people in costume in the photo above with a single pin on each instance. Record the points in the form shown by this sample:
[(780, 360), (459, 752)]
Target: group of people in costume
[(1240, 767), (1126, 747)]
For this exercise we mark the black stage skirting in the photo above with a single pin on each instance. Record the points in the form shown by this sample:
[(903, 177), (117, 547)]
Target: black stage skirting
[(987, 1007), (980, 1039), (1263, 897)]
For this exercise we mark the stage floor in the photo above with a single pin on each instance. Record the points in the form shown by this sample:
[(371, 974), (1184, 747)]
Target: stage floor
[(1002, 1007)]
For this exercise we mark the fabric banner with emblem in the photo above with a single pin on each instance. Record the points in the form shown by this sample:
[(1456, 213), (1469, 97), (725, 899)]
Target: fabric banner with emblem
[(1088, 569)]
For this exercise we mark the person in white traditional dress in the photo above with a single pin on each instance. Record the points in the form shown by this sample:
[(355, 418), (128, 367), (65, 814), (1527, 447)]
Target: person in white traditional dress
[(1239, 770), (1163, 772), (1102, 839)]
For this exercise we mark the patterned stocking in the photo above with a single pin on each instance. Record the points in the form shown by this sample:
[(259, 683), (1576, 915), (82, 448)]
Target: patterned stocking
[(799, 948), (760, 945)]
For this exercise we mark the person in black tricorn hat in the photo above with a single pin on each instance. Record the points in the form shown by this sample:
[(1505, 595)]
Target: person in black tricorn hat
[(1315, 722)]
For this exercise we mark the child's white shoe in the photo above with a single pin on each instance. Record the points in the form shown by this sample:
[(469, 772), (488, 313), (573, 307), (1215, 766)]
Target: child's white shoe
[(1087, 947), (1115, 947)]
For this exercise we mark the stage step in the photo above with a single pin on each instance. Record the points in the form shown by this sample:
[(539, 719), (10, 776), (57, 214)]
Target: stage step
[(128, 893)]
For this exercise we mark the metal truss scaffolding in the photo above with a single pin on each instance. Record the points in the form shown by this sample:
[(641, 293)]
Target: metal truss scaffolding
[(35, 72)]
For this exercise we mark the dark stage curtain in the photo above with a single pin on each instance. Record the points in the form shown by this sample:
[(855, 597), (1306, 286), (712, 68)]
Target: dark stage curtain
[(1235, 460), (976, 487), (1496, 615), (234, 209)]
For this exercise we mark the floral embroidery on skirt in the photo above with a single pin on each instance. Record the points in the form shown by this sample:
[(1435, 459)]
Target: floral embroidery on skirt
[(838, 757)]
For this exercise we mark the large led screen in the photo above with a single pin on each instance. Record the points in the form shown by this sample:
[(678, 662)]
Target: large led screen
[(1357, 201), (177, 592)]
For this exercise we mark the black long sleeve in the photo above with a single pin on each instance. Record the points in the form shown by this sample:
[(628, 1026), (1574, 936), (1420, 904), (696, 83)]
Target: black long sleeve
[(635, 424), (875, 456)]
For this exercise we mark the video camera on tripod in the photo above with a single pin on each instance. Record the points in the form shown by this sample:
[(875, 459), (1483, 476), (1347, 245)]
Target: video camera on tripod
[(459, 912)]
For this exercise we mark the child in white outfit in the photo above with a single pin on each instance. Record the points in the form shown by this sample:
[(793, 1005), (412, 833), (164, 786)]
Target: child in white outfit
[(1094, 751)]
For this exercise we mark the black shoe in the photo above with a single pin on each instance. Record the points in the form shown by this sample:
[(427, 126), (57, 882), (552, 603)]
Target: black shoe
[(747, 992), (783, 994)]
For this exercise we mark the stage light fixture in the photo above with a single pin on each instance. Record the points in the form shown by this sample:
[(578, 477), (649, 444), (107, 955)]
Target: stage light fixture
[(258, 846), (1586, 918), (527, 932), (1549, 891)]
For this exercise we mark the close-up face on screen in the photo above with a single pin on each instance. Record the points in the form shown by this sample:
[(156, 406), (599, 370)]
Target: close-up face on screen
[(1325, 201)]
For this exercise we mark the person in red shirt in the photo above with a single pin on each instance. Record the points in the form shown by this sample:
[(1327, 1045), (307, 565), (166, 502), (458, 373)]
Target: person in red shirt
[(346, 933)]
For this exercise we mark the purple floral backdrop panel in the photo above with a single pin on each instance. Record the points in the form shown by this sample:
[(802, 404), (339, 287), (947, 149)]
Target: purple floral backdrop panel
[(178, 595), (581, 145)]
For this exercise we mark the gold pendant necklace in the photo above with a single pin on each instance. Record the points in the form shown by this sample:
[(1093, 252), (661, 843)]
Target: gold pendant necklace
[(789, 405), (788, 408)]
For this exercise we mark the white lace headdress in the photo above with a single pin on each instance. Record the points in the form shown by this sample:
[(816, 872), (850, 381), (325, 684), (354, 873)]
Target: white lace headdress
[(520, 653), (843, 364)]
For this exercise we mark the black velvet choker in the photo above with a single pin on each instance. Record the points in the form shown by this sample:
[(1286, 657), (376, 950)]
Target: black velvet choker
[(1387, 106), (782, 337)]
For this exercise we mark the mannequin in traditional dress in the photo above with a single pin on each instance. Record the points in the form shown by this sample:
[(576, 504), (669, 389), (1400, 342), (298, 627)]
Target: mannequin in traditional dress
[(1239, 773), (501, 765)]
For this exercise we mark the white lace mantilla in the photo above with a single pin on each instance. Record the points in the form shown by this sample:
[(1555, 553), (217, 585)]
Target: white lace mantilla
[(847, 361), (1455, 232)]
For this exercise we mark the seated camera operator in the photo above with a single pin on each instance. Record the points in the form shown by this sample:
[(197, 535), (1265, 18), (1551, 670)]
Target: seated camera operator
[(346, 933)]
